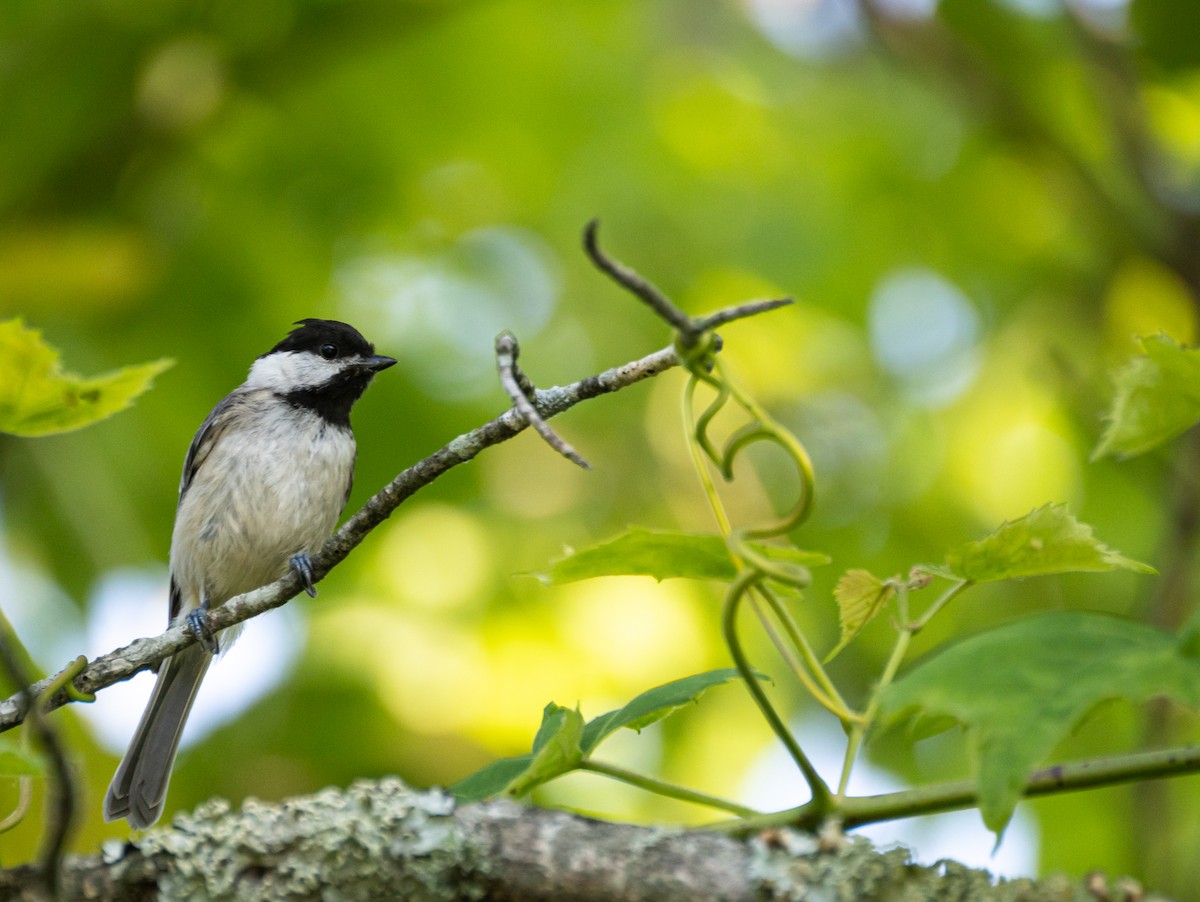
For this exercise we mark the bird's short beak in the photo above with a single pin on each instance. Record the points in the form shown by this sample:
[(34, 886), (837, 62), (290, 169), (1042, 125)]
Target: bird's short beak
[(378, 362)]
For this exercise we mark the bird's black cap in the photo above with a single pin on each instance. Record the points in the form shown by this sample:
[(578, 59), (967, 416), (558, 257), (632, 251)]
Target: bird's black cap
[(314, 334)]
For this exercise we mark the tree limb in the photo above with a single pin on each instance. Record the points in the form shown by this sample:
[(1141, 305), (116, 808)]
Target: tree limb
[(381, 840), (142, 654), (531, 407)]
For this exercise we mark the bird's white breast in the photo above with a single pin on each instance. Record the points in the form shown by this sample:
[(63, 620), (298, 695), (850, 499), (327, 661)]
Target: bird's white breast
[(270, 488)]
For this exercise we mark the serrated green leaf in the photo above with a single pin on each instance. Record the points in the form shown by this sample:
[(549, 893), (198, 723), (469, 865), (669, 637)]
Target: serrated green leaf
[(19, 762), (38, 398), (1021, 688), (1157, 398), (653, 705), (664, 555), (1044, 541), (860, 595)]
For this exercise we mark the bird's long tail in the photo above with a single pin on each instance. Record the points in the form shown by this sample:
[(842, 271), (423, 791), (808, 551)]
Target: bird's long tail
[(139, 787)]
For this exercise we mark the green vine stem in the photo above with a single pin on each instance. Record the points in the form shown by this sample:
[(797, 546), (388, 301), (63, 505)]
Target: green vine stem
[(906, 629), (24, 801), (937, 799), (61, 809), (662, 788), (809, 671), (9, 638), (944, 599), (824, 691), (740, 588), (859, 730), (761, 428), (696, 438)]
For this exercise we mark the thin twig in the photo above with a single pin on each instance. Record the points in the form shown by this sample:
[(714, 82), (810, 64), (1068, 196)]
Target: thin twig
[(689, 328), (751, 308), (627, 278), (522, 392)]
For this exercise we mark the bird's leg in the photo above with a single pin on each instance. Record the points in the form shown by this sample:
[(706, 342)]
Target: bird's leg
[(302, 564), (197, 621)]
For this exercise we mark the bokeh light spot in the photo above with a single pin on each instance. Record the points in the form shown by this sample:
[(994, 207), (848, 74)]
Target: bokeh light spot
[(435, 556), (1145, 298), (182, 84), (816, 29), (632, 628), (447, 306), (428, 673), (1011, 455), (923, 332), (525, 486), (713, 117)]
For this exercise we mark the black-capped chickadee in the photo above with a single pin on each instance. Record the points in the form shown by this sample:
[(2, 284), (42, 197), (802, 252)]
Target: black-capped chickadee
[(264, 483)]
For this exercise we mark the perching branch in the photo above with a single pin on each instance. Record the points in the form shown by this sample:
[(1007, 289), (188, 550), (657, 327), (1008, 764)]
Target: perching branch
[(142, 654)]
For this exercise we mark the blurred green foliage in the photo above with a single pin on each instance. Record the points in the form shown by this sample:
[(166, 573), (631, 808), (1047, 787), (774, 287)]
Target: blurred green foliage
[(977, 209)]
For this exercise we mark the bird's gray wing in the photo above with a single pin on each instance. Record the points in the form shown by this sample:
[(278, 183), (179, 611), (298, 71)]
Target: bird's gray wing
[(350, 479), (209, 433), (215, 425)]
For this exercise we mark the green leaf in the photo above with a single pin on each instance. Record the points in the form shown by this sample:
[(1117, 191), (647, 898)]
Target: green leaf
[(556, 749), (653, 705), (860, 596), (1157, 398), (38, 398), (490, 780), (18, 762), (562, 741), (1046, 540), (664, 555), (1021, 688)]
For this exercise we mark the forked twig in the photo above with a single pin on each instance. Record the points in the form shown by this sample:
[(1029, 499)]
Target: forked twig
[(690, 328), (524, 397)]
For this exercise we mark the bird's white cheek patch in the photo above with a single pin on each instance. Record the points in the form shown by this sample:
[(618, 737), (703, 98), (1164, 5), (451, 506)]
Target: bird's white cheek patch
[(291, 370)]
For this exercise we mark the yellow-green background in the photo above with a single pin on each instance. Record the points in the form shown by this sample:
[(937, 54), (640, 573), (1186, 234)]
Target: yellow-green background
[(186, 179)]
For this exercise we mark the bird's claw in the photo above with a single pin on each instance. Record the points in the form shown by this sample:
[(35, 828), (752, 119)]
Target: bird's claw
[(197, 621), (302, 564)]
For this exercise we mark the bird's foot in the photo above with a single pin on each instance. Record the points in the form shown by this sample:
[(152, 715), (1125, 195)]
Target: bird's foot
[(302, 564), (197, 621)]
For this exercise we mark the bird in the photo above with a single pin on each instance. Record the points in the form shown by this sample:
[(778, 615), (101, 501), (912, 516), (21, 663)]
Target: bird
[(264, 482)]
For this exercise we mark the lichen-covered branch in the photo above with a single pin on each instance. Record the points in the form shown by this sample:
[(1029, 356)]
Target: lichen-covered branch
[(381, 840)]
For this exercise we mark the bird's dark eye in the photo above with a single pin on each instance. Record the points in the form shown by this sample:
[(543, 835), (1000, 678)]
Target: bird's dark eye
[(329, 351)]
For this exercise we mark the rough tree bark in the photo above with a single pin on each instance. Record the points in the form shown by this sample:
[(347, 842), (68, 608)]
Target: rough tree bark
[(382, 840)]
